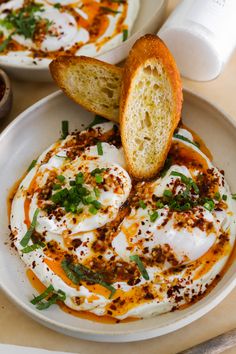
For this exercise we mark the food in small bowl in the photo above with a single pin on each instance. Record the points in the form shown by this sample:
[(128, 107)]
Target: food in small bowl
[(35, 32), (5, 94), (102, 235)]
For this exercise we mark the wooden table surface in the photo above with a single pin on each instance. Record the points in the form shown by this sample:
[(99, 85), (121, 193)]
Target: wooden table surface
[(17, 328)]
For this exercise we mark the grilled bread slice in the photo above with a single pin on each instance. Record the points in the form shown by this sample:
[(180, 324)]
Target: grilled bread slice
[(150, 106), (93, 84)]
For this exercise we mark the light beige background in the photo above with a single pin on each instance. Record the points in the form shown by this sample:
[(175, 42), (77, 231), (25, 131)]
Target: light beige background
[(17, 328)]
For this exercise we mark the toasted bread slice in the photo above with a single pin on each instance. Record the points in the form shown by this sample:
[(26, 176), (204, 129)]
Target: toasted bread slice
[(93, 84), (150, 106)]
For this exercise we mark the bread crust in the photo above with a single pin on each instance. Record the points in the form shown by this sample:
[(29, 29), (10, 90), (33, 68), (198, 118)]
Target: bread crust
[(59, 66), (146, 48)]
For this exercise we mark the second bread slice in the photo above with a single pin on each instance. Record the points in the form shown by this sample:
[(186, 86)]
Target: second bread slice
[(150, 106), (93, 84)]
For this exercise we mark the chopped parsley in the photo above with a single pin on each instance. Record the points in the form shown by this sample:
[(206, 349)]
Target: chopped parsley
[(135, 258)]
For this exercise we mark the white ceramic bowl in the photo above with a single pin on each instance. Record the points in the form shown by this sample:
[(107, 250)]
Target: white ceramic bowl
[(26, 138), (149, 19)]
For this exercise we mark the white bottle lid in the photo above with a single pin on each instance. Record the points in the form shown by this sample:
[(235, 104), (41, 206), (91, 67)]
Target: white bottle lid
[(201, 34)]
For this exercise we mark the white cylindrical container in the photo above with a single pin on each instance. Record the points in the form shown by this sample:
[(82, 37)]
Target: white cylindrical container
[(201, 34)]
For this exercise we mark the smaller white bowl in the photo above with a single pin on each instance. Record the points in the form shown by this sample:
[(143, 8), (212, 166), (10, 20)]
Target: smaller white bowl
[(149, 19)]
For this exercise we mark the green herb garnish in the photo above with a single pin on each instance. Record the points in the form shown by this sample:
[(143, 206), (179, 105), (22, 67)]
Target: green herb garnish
[(58, 296), (79, 272), (142, 204), (142, 269), (64, 129), (42, 296), (97, 192), (97, 171), (234, 196), (5, 43), (224, 197), (57, 5), (33, 163), (98, 178), (33, 247), (167, 193), (217, 196), (56, 186), (154, 216), (107, 9), (99, 148), (209, 205), (97, 120), (186, 180), (61, 178), (125, 35), (181, 137), (79, 179), (93, 210), (159, 204), (25, 240)]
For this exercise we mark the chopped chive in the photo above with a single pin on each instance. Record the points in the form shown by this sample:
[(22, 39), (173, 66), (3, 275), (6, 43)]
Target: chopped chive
[(125, 35), (57, 5), (135, 258), (79, 179), (181, 137), (56, 186), (97, 120), (154, 216), (109, 10), (32, 165), (96, 204), (79, 272), (209, 205), (72, 183), (142, 204), (5, 43), (88, 199), (167, 193), (61, 178), (97, 171), (97, 192), (159, 204), (166, 166), (58, 296), (64, 129), (61, 157), (42, 296), (184, 179), (32, 248), (93, 210), (224, 197), (69, 273), (25, 240), (99, 148), (98, 178), (233, 196), (217, 196)]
